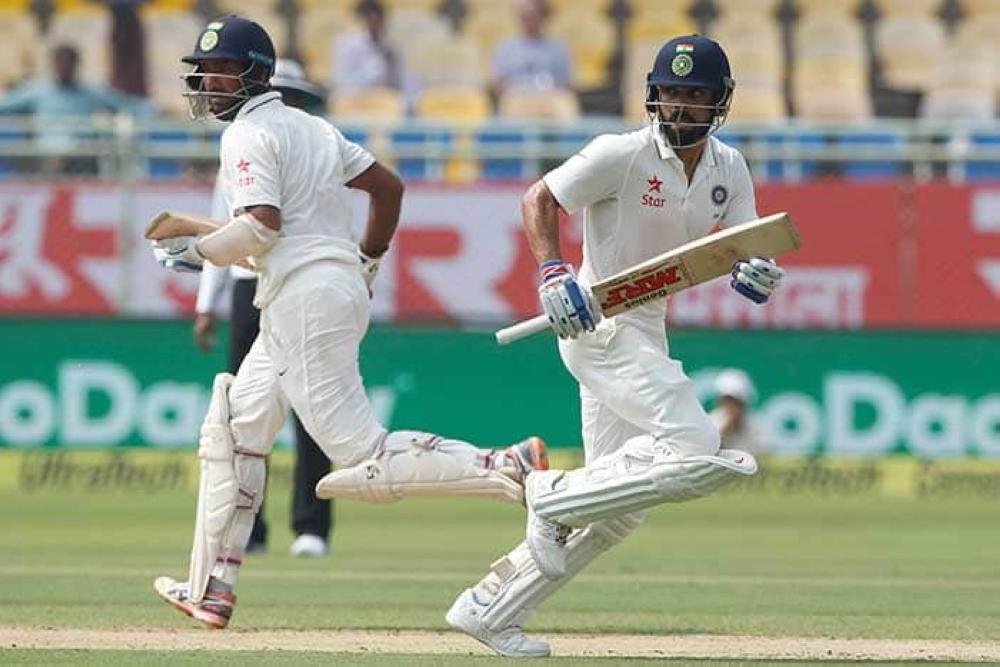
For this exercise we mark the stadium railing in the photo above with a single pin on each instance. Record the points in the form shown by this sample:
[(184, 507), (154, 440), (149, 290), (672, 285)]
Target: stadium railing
[(127, 148)]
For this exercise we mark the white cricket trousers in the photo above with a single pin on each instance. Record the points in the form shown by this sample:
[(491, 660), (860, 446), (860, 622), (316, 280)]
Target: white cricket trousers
[(629, 386), (306, 356)]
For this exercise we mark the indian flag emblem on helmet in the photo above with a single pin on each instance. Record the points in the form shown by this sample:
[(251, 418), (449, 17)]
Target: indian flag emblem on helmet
[(682, 64), (684, 48)]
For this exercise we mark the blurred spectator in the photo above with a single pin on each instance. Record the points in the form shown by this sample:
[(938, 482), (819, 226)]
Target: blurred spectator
[(128, 47), (532, 60), (364, 58), (51, 103), (734, 396)]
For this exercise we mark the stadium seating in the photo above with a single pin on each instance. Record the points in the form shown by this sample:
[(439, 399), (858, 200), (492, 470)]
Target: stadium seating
[(830, 74), (372, 105), (554, 105), (19, 34), (753, 43), (960, 87), (169, 34), (318, 28), (445, 62), (590, 38), (907, 46)]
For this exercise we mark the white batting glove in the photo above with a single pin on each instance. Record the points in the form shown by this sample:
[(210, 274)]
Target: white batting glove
[(178, 254), (757, 279), (570, 306), (369, 268)]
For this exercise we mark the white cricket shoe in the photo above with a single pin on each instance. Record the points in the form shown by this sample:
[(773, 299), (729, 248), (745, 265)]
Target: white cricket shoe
[(307, 545), (214, 610), (465, 616), (546, 539)]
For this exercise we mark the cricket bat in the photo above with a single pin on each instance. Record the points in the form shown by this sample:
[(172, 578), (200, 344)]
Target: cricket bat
[(686, 266), (171, 224)]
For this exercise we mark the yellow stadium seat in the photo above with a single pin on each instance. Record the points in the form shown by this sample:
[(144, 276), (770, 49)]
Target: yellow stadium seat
[(374, 104), (555, 105), (831, 90), (908, 46), (19, 34), (452, 62), (757, 104), (11, 6), (169, 35), (487, 26), (596, 6), (837, 7), (957, 90), (318, 29), (393, 6), (639, 57), (901, 7), (659, 27), (980, 8), (453, 104), (591, 40), (747, 7), (651, 7), (406, 25)]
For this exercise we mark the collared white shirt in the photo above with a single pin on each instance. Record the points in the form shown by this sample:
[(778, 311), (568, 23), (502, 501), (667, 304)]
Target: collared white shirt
[(638, 203), (275, 155)]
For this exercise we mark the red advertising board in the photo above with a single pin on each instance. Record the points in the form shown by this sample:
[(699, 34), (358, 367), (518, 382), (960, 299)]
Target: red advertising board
[(846, 275), (956, 250), (879, 255)]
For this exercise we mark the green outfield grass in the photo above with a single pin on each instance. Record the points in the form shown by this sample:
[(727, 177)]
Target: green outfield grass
[(738, 563)]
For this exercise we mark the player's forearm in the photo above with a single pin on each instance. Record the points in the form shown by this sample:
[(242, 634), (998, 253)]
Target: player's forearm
[(540, 215), (383, 218)]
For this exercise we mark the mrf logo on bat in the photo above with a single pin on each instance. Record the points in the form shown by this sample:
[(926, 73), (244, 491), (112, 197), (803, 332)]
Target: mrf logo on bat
[(640, 287)]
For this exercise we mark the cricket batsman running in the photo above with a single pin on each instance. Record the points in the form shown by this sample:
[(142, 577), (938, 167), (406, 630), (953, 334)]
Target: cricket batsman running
[(646, 438), (284, 176)]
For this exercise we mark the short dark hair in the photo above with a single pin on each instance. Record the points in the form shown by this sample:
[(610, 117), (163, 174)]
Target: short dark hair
[(369, 7)]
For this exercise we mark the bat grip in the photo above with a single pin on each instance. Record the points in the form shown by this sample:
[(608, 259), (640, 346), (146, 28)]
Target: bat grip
[(522, 329)]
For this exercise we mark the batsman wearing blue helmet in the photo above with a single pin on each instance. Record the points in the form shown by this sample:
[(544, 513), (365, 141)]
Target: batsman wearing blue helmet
[(284, 175), (647, 440)]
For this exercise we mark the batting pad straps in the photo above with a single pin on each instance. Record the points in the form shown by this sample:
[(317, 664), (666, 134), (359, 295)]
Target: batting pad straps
[(582, 496), (244, 236)]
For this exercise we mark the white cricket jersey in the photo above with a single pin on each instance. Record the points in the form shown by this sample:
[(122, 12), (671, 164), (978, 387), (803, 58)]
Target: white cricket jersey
[(638, 204), (278, 156)]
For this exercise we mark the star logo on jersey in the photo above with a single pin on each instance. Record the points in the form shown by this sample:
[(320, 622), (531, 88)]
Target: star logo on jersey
[(655, 184), (243, 166), (650, 200)]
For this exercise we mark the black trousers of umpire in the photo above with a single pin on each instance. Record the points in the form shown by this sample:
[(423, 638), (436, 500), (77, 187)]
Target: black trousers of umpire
[(309, 513)]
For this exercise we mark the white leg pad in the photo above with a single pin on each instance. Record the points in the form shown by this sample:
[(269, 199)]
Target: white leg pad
[(414, 463), (231, 484), (620, 483), (514, 588)]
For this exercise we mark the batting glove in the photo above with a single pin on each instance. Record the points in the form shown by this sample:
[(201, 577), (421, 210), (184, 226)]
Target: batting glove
[(756, 279), (569, 306), (178, 254), (369, 268)]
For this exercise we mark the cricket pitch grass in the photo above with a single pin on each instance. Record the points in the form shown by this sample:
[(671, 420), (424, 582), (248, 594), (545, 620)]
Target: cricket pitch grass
[(802, 577)]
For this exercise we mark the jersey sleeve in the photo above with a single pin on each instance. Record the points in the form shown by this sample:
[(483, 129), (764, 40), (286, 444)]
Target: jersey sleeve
[(743, 205), (354, 158), (592, 175), (250, 166)]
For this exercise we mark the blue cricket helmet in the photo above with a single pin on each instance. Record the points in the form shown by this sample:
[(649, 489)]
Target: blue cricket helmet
[(691, 61), (230, 38), (234, 38)]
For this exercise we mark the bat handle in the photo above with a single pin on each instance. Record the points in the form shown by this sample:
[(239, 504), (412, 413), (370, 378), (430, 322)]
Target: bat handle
[(522, 329)]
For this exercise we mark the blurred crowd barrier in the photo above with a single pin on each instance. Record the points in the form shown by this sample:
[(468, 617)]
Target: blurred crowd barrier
[(124, 148)]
